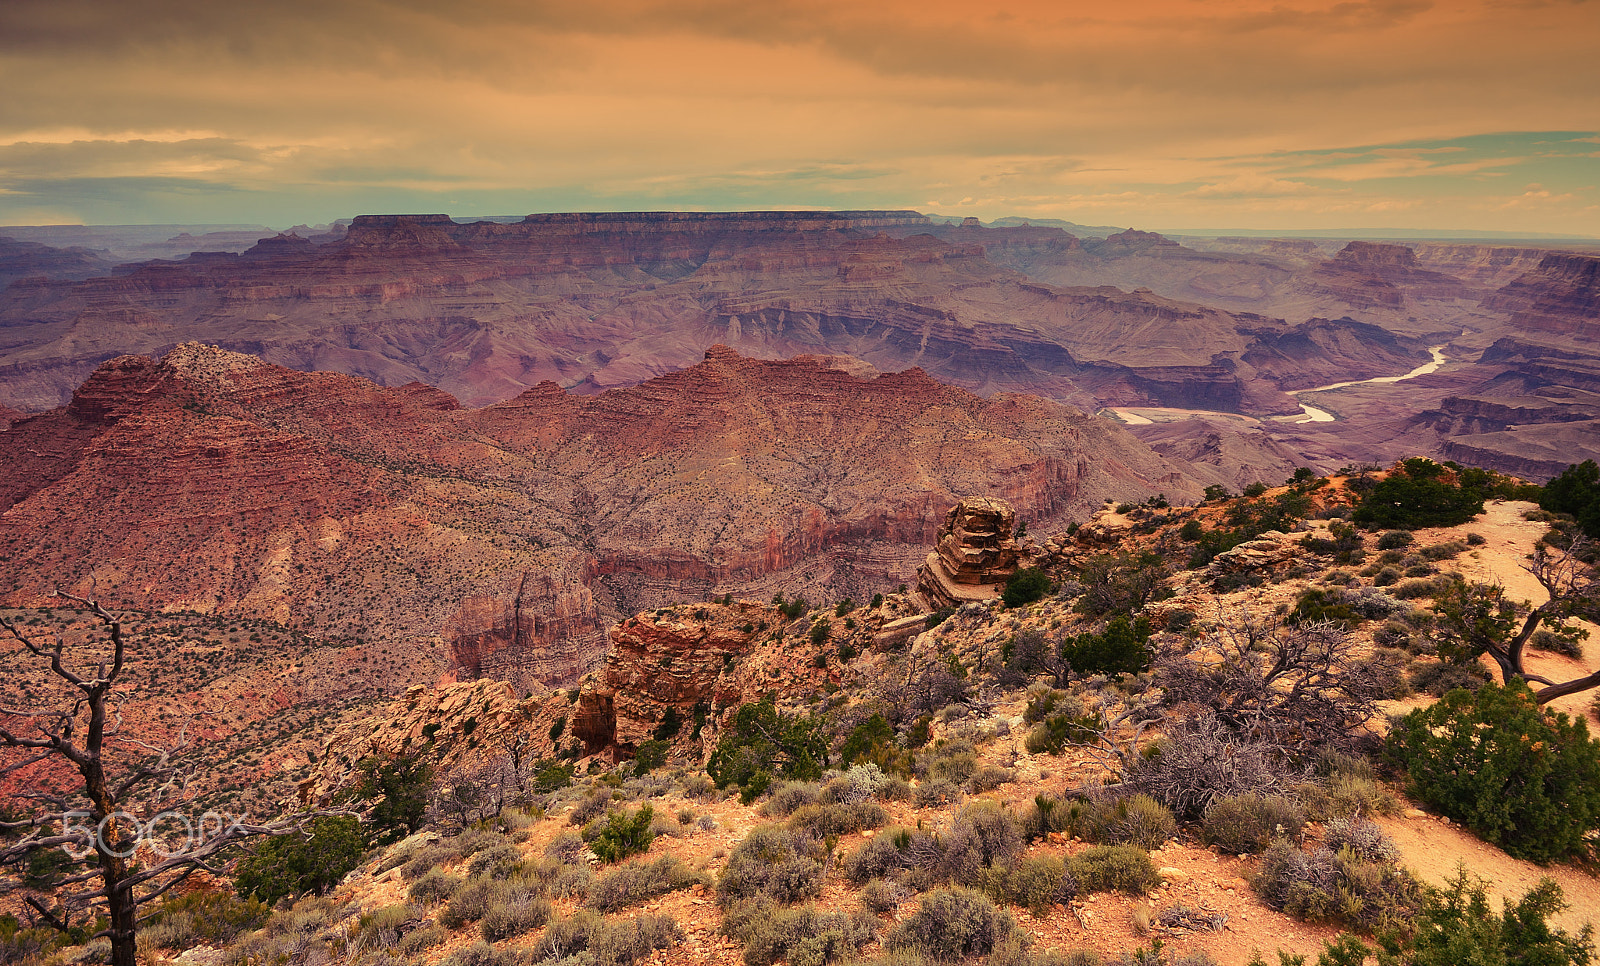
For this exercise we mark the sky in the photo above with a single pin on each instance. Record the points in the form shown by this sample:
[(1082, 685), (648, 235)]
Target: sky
[(1158, 114)]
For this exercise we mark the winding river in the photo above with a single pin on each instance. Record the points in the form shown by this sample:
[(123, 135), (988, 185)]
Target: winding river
[(1142, 416), (1315, 415)]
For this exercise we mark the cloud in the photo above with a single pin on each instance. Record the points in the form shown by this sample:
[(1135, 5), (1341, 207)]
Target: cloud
[(1252, 185), (1168, 109)]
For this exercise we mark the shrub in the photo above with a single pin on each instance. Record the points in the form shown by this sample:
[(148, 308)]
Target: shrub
[(1122, 648), (1073, 725), (607, 943), (1337, 887), (804, 936), (775, 864), (786, 797), (1441, 677), (1576, 491), (496, 861), (651, 755), (1545, 640), (1245, 824), (1442, 551), (1120, 583), (1395, 539), (823, 820), (434, 887), (983, 836), (1025, 586), (1050, 814), (426, 859), (590, 808), (566, 848), (621, 835), (302, 863), (1495, 761), (1200, 761), (880, 895), (873, 740), (469, 902), (1456, 927), (951, 759), (1114, 868), (425, 938), (953, 924), (893, 851), (1360, 836), (1345, 795), (632, 884), (1416, 495), (860, 783), (479, 954), (1037, 882), (216, 918), (1421, 587), (513, 917), (1135, 820)]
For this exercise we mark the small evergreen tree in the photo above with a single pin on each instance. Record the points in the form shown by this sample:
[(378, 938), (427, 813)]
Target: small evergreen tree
[(1576, 491), (1495, 761), (310, 862), (1025, 586), (760, 743)]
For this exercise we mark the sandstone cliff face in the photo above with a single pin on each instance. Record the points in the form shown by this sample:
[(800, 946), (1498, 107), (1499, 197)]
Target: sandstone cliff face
[(1482, 268), (505, 539), (1559, 298), (32, 262), (1322, 351), (693, 661), (1368, 275)]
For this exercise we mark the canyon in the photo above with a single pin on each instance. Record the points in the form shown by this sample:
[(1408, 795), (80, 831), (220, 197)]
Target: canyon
[(473, 448), (487, 310), (503, 541)]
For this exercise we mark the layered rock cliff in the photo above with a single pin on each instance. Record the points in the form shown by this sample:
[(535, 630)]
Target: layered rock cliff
[(503, 540), (1559, 298), (596, 301)]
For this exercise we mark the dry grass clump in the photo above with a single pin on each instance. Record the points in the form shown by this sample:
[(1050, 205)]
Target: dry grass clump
[(1246, 824), (636, 882)]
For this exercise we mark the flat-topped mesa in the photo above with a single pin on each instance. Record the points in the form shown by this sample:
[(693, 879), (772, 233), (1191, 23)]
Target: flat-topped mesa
[(974, 555)]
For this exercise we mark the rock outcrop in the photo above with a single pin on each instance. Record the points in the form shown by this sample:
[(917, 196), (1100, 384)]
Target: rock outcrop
[(974, 555), (673, 670)]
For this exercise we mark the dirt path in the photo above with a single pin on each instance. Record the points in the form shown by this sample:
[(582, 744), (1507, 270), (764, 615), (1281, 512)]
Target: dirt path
[(1434, 850)]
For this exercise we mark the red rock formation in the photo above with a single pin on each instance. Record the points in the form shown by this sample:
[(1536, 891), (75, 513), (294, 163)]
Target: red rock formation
[(974, 554), (694, 662), (506, 538), (1374, 275)]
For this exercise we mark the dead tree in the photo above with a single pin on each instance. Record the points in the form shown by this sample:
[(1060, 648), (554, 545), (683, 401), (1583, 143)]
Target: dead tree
[(1297, 686), (116, 861), (1474, 620)]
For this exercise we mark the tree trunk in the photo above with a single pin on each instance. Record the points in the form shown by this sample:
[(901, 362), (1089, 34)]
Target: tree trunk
[(124, 913)]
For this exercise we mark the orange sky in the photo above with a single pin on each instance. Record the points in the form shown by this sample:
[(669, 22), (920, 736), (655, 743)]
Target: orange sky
[(1172, 114)]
